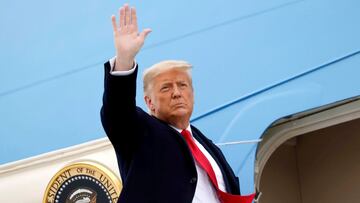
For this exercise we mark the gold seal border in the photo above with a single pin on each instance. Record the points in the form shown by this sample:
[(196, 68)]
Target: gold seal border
[(86, 164)]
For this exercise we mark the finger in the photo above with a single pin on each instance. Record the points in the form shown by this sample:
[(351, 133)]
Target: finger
[(113, 20), (122, 17), (134, 18), (145, 33), (127, 14)]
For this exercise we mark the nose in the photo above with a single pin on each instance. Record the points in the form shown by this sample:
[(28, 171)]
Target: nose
[(176, 93)]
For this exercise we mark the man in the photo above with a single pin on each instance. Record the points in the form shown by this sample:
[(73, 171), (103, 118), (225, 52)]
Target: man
[(161, 157)]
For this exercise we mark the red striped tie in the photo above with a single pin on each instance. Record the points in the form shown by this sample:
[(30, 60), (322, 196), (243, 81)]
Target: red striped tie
[(205, 164)]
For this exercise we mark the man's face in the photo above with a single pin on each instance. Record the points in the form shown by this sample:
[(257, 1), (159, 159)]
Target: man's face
[(171, 96)]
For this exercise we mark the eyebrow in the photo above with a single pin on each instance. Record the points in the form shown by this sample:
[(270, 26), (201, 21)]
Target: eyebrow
[(165, 83)]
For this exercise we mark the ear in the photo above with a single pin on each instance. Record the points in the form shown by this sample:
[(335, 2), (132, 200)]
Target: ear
[(149, 103)]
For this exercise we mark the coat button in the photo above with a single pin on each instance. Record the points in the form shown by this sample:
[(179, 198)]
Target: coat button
[(193, 180)]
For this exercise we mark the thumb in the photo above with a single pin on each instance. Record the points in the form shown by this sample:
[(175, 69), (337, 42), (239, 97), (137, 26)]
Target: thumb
[(145, 32)]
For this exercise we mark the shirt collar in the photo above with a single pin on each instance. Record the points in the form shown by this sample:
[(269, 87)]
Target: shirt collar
[(179, 130)]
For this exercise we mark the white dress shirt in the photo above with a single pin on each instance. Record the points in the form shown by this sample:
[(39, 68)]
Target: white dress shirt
[(204, 191)]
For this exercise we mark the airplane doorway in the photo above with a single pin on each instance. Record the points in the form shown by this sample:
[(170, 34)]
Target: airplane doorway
[(311, 158)]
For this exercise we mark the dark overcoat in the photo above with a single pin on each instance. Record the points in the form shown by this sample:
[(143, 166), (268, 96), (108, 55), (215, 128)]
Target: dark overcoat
[(155, 163)]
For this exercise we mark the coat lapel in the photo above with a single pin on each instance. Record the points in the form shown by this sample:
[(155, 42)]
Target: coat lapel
[(215, 153)]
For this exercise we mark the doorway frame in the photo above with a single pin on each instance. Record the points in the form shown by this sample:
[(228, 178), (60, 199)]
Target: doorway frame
[(295, 125)]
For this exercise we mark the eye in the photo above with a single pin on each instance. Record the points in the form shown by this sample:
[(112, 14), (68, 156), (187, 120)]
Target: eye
[(164, 88), (183, 85)]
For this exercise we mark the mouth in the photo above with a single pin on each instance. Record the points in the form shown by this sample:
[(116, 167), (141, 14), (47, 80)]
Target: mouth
[(179, 105)]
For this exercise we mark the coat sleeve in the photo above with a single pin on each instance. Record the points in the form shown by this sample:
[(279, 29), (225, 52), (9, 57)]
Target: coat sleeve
[(119, 114)]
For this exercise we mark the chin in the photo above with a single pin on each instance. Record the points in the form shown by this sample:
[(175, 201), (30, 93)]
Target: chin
[(181, 112)]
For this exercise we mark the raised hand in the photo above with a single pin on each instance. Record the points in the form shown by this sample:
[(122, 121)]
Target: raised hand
[(128, 41)]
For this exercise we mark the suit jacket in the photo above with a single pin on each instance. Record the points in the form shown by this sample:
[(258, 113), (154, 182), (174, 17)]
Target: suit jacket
[(155, 163)]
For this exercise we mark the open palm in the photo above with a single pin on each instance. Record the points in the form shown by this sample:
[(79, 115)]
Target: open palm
[(128, 41)]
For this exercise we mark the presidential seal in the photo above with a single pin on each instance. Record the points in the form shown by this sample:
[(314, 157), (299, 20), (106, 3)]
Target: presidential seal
[(83, 182)]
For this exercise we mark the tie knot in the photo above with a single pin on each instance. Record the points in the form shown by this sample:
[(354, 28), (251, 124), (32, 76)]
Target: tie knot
[(186, 133)]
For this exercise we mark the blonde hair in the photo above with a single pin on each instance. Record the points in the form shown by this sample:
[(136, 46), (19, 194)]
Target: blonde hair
[(161, 67)]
